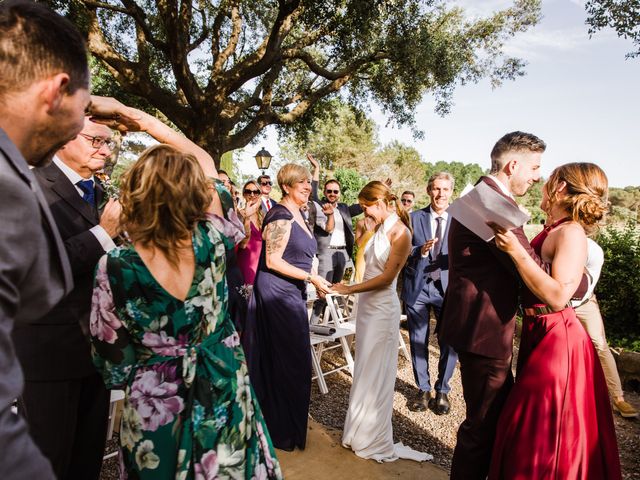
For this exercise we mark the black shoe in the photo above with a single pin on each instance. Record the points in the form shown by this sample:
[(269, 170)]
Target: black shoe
[(421, 402), (440, 404)]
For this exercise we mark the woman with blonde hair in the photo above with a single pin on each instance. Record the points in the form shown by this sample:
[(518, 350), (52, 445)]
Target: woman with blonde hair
[(252, 216), (367, 429), (160, 327), (277, 335), (556, 422)]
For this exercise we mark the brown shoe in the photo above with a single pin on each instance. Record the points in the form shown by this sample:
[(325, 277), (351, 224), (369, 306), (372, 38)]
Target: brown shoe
[(624, 409), (421, 402)]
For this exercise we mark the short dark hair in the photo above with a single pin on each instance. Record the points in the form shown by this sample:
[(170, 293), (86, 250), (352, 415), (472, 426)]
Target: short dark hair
[(331, 180), (259, 180), (36, 42), (514, 142), (408, 192)]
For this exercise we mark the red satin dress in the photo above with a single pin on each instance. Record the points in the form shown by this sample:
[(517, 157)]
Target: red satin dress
[(557, 421)]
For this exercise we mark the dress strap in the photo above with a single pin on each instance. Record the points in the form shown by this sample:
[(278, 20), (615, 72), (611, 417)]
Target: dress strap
[(548, 228)]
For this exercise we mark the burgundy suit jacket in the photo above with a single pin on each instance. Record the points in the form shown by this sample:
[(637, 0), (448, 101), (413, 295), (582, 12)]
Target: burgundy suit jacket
[(478, 314)]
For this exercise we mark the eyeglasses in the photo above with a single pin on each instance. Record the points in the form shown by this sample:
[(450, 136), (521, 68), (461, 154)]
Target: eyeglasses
[(248, 191), (264, 184), (98, 142), (332, 191), (406, 200)]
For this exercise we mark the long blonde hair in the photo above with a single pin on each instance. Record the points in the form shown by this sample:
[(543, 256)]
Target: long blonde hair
[(260, 213), (163, 195), (374, 191), (587, 193)]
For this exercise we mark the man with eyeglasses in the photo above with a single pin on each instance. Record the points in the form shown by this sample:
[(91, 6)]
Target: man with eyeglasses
[(265, 187), (407, 199), (65, 400)]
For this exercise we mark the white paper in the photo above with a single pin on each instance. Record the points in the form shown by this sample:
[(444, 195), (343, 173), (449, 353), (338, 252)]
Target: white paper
[(483, 204)]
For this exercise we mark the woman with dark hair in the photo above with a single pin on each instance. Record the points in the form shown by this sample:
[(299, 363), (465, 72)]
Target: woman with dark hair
[(252, 216), (277, 335), (557, 422), (160, 326), (367, 429)]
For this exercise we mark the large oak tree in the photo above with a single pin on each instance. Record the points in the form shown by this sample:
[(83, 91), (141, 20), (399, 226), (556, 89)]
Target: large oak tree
[(223, 70)]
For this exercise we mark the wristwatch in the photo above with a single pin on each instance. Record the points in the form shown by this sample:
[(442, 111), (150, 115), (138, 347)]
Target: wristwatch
[(308, 279)]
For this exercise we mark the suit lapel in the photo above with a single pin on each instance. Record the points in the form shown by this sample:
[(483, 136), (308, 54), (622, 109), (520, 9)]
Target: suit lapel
[(425, 220), (343, 209), (67, 192), (491, 182), (14, 157)]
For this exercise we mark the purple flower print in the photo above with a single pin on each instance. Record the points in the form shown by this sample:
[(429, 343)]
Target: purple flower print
[(162, 344), (154, 396), (103, 321), (207, 469)]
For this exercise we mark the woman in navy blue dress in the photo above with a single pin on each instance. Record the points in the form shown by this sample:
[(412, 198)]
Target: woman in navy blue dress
[(277, 337)]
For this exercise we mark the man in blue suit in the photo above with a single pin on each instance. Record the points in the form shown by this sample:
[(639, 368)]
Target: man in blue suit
[(426, 275)]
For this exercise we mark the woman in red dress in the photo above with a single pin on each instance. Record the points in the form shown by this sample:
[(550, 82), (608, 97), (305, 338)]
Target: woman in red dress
[(557, 422)]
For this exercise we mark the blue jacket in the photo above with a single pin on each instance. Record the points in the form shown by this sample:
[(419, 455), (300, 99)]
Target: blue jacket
[(418, 267)]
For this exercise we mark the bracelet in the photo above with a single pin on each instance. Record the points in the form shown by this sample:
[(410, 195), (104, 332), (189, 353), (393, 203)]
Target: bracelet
[(308, 279)]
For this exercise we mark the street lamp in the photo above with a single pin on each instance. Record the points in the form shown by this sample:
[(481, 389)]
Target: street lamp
[(263, 159)]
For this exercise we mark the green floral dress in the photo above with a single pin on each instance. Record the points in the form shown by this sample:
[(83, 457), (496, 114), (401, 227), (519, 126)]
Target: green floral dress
[(190, 411)]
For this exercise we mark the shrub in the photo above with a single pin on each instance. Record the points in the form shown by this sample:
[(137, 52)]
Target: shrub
[(618, 290)]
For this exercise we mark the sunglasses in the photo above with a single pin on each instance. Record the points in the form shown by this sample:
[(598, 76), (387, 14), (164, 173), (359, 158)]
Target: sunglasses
[(332, 191), (248, 191), (406, 200), (264, 184)]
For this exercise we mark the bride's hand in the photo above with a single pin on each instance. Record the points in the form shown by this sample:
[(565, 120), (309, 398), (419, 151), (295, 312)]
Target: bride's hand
[(341, 288), (322, 285)]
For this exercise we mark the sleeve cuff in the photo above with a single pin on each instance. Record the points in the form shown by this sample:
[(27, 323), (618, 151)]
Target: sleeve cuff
[(103, 237)]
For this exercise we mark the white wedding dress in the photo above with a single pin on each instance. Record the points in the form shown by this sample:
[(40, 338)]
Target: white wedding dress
[(367, 429)]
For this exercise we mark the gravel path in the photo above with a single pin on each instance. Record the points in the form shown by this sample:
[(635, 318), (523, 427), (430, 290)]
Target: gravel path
[(435, 434), (426, 431)]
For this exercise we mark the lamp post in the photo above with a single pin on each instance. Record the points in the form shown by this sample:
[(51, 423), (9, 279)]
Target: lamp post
[(263, 159)]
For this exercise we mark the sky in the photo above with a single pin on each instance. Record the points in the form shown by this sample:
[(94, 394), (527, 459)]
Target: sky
[(580, 95)]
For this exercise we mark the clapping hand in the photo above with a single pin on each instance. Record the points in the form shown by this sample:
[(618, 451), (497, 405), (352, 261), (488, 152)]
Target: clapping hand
[(252, 207), (428, 245), (328, 208), (313, 160)]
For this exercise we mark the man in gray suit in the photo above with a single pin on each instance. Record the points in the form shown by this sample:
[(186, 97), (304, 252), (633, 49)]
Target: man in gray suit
[(44, 83)]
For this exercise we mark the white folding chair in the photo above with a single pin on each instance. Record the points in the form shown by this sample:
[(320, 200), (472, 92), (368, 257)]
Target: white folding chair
[(339, 315), (116, 397)]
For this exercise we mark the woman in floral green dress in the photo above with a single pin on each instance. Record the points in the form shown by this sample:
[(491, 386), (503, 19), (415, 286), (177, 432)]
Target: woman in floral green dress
[(190, 411)]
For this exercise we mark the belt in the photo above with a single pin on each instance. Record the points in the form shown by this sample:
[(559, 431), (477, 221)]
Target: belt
[(343, 247), (537, 310)]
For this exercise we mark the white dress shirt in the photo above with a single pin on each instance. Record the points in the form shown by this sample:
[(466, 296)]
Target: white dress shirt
[(337, 236), (74, 177)]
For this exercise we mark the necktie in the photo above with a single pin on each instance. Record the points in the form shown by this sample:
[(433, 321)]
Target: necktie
[(437, 248), (88, 193), (268, 202)]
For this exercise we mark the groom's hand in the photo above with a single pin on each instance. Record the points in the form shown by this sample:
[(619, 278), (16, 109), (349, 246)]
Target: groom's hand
[(428, 245)]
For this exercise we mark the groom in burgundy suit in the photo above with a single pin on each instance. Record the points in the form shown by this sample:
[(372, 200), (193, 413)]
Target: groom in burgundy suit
[(478, 315)]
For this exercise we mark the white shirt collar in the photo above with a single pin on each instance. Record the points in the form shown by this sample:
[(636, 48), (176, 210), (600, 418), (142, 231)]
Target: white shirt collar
[(501, 186), (73, 176)]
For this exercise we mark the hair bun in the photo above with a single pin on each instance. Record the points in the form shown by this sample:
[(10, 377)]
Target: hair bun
[(589, 208)]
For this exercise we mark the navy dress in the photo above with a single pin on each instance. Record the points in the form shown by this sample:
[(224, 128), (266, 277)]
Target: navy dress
[(276, 340)]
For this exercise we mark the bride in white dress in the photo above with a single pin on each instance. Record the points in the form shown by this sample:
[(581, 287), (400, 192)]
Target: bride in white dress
[(367, 429)]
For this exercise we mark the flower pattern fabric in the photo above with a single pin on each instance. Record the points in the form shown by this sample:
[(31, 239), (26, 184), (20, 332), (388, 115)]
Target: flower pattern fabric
[(190, 411)]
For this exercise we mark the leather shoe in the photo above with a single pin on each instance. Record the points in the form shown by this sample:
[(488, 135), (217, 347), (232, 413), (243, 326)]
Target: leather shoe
[(440, 404), (421, 402)]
